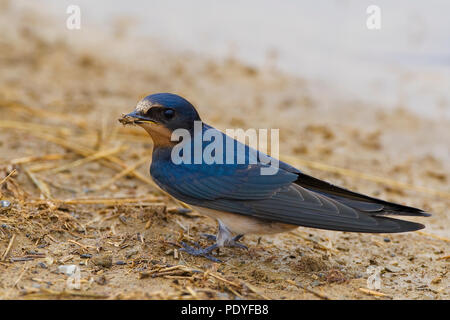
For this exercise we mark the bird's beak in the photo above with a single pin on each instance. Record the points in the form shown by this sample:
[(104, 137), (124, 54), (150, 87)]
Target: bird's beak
[(139, 118)]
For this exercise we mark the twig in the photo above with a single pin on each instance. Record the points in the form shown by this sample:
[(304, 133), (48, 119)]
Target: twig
[(66, 293), (373, 293), (47, 114), (58, 186), (11, 241), (42, 167), (39, 184), (119, 175), (14, 171), (55, 156), (165, 271), (237, 294), (222, 279), (317, 294), (25, 268), (254, 290), (322, 246), (433, 236), (31, 126), (192, 292), (85, 247), (93, 157), (107, 201)]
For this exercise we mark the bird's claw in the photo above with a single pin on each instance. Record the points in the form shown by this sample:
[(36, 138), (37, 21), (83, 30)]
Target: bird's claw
[(232, 243), (200, 252), (208, 236), (237, 245)]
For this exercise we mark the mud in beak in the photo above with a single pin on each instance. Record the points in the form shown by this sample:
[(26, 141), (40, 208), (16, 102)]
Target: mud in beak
[(136, 118)]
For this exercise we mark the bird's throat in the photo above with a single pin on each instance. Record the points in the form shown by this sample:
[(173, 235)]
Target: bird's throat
[(160, 135)]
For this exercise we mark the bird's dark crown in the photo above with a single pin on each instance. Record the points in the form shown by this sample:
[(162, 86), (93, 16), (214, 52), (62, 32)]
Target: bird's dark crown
[(167, 109)]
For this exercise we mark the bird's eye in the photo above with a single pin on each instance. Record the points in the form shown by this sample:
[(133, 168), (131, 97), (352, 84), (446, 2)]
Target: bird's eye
[(169, 113)]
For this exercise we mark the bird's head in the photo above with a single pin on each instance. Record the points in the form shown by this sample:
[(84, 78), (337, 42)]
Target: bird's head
[(162, 113)]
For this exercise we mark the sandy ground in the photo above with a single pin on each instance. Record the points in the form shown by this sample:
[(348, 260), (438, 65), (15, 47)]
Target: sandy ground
[(60, 98)]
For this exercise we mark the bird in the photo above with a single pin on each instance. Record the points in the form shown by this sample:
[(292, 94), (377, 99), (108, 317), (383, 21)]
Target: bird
[(237, 194)]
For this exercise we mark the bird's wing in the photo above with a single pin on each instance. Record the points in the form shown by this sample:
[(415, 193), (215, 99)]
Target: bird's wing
[(243, 190), (299, 206), (212, 182)]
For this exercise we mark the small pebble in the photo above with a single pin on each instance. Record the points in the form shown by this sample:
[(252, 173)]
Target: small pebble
[(102, 261), (42, 265), (387, 240), (436, 280), (86, 256), (131, 252), (68, 269), (101, 280), (120, 263), (5, 204)]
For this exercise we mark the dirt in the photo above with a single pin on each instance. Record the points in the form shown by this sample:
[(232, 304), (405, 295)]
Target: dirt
[(60, 98)]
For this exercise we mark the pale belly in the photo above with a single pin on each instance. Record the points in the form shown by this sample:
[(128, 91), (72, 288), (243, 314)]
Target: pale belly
[(240, 224)]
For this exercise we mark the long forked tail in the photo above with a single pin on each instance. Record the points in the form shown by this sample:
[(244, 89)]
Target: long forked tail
[(358, 200), (374, 207)]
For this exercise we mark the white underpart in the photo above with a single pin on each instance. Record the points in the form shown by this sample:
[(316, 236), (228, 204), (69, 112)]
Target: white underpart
[(236, 224)]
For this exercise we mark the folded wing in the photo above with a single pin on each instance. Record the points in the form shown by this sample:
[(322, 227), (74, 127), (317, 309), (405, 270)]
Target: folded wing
[(288, 197)]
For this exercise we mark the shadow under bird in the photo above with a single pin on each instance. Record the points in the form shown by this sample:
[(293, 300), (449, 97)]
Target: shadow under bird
[(242, 199)]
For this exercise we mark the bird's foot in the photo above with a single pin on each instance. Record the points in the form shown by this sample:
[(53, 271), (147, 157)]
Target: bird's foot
[(200, 252), (231, 243)]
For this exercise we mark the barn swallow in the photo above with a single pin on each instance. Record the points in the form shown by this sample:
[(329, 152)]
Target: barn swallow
[(243, 200)]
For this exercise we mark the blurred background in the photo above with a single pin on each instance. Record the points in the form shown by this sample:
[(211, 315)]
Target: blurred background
[(406, 62), (368, 110)]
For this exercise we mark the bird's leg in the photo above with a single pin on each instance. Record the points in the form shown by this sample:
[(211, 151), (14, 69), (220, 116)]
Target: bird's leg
[(200, 251), (224, 238), (234, 242)]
